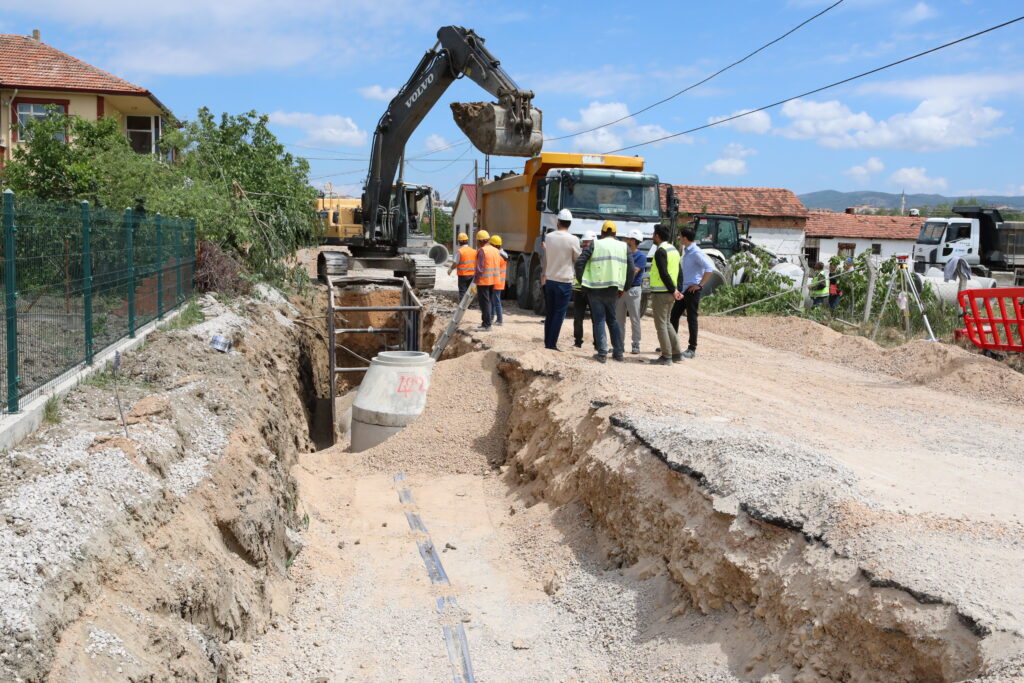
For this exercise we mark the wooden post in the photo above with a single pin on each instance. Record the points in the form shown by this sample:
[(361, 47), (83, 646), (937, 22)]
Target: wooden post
[(869, 298)]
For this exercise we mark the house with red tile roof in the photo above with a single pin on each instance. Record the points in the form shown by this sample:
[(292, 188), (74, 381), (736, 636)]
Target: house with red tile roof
[(777, 218), (851, 234), (464, 217), (34, 75)]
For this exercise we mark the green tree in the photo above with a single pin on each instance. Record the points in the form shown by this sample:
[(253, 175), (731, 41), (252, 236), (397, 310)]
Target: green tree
[(443, 227)]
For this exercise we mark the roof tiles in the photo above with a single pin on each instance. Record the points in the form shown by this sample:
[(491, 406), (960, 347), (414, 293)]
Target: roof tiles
[(469, 189), (26, 63), (737, 201), (830, 224)]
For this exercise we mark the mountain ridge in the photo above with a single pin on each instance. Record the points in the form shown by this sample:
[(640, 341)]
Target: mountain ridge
[(839, 201)]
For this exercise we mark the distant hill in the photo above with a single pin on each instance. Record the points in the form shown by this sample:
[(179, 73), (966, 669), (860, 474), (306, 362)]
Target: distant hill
[(839, 201)]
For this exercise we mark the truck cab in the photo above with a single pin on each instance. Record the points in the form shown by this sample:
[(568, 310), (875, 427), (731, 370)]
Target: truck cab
[(972, 235), (595, 195)]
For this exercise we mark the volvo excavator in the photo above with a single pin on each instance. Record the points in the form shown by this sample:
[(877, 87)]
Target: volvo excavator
[(383, 229)]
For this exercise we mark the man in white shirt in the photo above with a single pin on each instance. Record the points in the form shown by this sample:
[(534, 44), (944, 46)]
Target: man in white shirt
[(560, 251)]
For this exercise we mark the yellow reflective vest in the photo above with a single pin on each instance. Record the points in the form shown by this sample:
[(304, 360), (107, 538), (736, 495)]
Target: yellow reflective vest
[(672, 258), (608, 265)]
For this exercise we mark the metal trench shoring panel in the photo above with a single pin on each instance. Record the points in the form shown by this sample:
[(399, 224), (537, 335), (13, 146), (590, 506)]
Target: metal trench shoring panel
[(409, 329)]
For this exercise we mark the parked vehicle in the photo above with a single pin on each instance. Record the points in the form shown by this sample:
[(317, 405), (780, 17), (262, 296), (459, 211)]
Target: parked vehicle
[(977, 234), (521, 207)]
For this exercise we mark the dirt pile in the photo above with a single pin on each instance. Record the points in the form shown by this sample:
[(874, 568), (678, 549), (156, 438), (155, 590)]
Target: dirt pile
[(940, 366), (137, 557)]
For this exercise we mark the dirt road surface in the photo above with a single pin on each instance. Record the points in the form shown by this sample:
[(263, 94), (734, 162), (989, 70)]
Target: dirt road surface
[(905, 465)]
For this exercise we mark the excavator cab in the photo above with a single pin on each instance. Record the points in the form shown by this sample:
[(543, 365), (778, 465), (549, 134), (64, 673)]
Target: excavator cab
[(720, 232)]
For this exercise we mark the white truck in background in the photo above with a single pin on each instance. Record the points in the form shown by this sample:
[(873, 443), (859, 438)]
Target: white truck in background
[(979, 235)]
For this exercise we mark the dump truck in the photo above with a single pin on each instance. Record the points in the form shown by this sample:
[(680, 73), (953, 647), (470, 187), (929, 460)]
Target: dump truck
[(521, 207), (978, 235), (383, 230)]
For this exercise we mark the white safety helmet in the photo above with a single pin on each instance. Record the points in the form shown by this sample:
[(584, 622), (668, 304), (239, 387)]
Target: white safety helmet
[(589, 236), (636, 235), (565, 215)]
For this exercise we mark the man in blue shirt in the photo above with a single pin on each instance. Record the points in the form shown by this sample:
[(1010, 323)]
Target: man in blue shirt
[(629, 302), (695, 270)]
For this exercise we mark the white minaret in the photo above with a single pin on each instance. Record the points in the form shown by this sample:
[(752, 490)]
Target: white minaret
[(903, 202)]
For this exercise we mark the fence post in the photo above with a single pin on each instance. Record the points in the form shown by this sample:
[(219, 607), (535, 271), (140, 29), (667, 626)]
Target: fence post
[(11, 303), (129, 246), (869, 297), (178, 248), (191, 252), (87, 280), (159, 266)]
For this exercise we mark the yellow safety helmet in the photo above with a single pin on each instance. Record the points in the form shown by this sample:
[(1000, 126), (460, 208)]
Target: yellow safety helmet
[(463, 237), (608, 226), (482, 236), (496, 240)]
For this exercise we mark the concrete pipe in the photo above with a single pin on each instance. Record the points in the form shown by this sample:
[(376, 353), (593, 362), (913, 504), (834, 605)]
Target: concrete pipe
[(391, 396)]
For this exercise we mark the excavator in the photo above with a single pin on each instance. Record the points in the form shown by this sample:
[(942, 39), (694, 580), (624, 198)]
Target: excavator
[(383, 230)]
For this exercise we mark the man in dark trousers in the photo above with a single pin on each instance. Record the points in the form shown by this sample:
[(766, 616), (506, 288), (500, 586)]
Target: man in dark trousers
[(695, 270), (488, 272), (579, 299), (560, 251), (605, 273)]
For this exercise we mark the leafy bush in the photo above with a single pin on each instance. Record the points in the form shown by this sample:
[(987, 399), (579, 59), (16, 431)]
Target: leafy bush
[(247, 195)]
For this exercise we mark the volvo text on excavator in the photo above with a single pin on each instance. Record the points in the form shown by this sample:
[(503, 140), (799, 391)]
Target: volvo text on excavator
[(382, 230)]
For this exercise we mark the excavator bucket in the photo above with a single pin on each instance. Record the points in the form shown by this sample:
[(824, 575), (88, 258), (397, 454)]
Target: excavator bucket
[(492, 130)]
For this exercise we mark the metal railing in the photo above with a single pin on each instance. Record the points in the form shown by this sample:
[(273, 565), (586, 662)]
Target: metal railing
[(408, 331), (76, 279)]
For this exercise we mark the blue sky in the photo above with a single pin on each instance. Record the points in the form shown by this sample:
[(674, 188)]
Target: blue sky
[(948, 123)]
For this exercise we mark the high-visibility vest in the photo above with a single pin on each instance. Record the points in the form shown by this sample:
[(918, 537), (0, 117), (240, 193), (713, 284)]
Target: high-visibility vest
[(490, 266), (466, 263), (502, 272), (608, 265), (673, 259), (821, 289)]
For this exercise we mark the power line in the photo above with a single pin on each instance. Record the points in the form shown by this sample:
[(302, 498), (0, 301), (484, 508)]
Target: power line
[(817, 90), (701, 82)]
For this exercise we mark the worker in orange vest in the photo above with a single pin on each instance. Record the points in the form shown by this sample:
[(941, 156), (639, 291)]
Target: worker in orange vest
[(464, 264), (488, 272), (499, 288)]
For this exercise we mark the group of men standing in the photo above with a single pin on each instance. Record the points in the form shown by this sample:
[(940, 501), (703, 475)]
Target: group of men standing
[(487, 266), (606, 275)]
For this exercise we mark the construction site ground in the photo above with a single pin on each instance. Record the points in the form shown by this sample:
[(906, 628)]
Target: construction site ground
[(792, 504)]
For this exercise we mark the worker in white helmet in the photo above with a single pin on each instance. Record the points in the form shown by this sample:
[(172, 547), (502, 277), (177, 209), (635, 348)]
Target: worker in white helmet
[(629, 303), (561, 248)]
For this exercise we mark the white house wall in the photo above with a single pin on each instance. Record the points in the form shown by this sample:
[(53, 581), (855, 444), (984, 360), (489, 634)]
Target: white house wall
[(788, 242), (829, 246), (463, 218)]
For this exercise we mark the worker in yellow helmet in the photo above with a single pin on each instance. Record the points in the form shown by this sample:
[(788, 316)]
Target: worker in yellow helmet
[(488, 267), (499, 287), (464, 264), (605, 272)]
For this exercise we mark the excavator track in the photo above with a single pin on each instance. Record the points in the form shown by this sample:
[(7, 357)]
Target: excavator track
[(421, 271)]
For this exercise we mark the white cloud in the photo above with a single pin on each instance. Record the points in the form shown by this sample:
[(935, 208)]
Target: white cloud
[(936, 124), (611, 137), (377, 92), (917, 13), (861, 174), (606, 80), (732, 160), (915, 179), (976, 86), (759, 122), (435, 142), (197, 37), (328, 129)]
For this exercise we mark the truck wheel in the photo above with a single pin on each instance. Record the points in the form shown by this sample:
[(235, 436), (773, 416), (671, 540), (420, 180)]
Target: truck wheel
[(537, 290), (523, 298)]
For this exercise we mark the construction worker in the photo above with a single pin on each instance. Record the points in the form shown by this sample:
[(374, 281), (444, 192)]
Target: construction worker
[(499, 288), (629, 304), (834, 293), (560, 251), (605, 274), (818, 286), (488, 268), (464, 264), (664, 293), (580, 301)]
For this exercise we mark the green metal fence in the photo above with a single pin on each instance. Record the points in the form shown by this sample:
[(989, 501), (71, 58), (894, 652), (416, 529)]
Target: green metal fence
[(76, 279)]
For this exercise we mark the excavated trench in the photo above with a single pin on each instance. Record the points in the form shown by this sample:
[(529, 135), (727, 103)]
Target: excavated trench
[(209, 574)]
